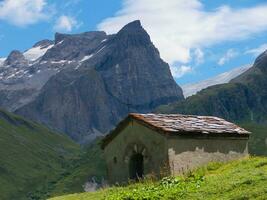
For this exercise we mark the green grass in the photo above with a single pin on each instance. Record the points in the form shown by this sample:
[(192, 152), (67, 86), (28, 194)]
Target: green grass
[(31, 158), (90, 165), (238, 180)]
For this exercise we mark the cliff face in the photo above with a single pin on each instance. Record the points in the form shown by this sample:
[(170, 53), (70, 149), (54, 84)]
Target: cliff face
[(115, 75)]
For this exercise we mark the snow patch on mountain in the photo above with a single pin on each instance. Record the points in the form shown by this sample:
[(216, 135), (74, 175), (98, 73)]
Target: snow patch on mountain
[(191, 89), (100, 49), (60, 42), (59, 62), (36, 52), (104, 40), (2, 60), (87, 57)]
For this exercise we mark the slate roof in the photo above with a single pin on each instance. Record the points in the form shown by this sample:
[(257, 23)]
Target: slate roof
[(184, 125), (189, 123)]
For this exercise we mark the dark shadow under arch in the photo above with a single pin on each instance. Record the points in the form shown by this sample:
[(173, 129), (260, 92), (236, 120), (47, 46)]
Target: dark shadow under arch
[(136, 166)]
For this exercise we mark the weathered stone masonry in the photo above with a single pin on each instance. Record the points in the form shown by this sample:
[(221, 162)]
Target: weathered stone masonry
[(144, 144)]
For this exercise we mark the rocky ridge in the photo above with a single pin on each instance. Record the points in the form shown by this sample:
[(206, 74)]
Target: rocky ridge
[(83, 84)]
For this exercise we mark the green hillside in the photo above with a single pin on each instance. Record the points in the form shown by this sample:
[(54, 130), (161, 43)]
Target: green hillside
[(258, 139), (90, 165), (244, 99), (31, 157), (238, 180), (231, 101)]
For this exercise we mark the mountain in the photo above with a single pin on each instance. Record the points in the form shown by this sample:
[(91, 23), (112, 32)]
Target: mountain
[(83, 84), (226, 77), (244, 99), (31, 157), (22, 75)]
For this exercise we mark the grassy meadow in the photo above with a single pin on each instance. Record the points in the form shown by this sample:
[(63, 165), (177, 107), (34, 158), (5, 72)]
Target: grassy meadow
[(237, 180)]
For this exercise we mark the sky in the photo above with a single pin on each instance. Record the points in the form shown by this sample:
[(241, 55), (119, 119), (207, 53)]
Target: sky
[(198, 38)]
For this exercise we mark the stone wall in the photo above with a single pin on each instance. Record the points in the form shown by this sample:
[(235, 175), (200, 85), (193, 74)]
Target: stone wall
[(171, 155), (135, 138), (186, 154)]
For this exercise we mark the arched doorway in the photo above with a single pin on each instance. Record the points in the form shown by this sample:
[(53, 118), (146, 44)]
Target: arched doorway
[(136, 166)]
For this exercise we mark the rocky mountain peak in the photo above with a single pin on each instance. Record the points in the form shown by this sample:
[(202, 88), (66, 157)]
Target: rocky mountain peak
[(83, 84), (59, 37), (73, 47), (133, 34), (15, 57), (133, 26), (43, 43), (102, 79)]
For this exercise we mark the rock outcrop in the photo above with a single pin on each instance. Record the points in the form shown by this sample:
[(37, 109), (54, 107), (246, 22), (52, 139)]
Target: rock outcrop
[(98, 79)]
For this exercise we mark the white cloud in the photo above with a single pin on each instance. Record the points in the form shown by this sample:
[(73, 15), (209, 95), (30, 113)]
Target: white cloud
[(180, 71), (23, 12), (199, 56), (230, 54), (65, 23), (257, 51), (179, 26)]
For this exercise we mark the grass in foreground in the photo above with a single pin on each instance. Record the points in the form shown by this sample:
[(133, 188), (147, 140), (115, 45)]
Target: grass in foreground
[(238, 180)]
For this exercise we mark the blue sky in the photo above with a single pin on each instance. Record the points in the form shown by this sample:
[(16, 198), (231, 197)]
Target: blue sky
[(198, 38)]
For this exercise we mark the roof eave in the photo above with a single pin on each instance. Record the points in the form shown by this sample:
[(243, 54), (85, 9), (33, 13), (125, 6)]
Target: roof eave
[(112, 134)]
